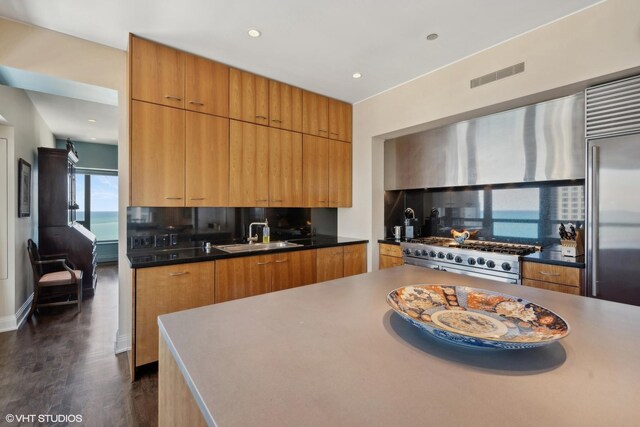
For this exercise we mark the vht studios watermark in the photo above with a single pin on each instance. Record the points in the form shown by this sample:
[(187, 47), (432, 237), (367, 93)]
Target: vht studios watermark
[(43, 418)]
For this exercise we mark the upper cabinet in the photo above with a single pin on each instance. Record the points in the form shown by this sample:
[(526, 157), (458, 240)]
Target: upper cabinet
[(248, 97), (285, 106), (315, 114), (339, 174), (315, 169), (157, 73), (248, 165), (206, 86), (285, 168), (340, 120)]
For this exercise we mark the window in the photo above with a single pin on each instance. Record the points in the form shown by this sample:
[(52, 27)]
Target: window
[(97, 196)]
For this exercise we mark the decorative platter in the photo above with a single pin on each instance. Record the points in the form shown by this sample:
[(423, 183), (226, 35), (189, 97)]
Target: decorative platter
[(477, 317)]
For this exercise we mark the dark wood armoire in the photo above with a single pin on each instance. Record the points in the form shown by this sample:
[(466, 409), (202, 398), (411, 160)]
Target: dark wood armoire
[(58, 231)]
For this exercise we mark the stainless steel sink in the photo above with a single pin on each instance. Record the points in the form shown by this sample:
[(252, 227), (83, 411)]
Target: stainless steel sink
[(252, 247)]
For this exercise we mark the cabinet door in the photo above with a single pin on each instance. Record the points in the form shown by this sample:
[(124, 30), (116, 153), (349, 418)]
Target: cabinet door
[(206, 86), (285, 106), (339, 173), (293, 269), (285, 168), (387, 261), (157, 73), (162, 290), (248, 97), (157, 155), (315, 171), (355, 259), (248, 165), (329, 263), (243, 277), (340, 121), (207, 160), (315, 114)]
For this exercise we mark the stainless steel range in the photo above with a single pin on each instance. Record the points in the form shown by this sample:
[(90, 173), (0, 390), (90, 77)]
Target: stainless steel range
[(490, 260)]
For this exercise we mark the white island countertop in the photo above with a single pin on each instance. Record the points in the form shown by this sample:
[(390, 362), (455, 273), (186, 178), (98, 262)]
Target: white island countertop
[(335, 353)]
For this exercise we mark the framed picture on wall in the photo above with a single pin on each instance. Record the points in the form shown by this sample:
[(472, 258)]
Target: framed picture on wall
[(24, 188)]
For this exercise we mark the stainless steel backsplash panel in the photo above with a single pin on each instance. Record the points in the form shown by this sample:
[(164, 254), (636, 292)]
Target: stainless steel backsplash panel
[(541, 142)]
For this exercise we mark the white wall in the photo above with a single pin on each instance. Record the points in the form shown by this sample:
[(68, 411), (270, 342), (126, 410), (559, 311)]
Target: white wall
[(29, 132), (54, 54), (595, 45)]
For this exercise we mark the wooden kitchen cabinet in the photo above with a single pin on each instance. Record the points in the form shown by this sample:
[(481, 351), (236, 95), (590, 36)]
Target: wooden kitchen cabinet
[(355, 260), (162, 290), (552, 277), (248, 164), (293, 269), (315, 114), (340, 120), (248, 97), (243, 277), (206, 86), (157, 73), (207, 160), (339, 173), (390, 256), (330, 263), (285, 168), (315, 171), (157, 155), (285, 106)]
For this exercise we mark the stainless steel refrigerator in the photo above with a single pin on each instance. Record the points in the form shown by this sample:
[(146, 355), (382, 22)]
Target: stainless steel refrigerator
[(613, 191)]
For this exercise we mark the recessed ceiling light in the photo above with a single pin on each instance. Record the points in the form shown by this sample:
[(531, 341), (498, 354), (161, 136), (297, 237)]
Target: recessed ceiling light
[(93, 139), (254, 33), (432, 36), (92, 120), (357, 75)]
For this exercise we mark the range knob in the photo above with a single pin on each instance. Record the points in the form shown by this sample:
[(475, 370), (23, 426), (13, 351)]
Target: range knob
[(433, 254), (458, 258), (471, 261), (407, 251), (417, 252), (425, 252), (449, 256), (480, 261), (491, 264), (506, 266), (441, 255)]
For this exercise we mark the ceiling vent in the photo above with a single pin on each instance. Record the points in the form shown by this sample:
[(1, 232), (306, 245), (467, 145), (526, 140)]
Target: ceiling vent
[(497, 75)]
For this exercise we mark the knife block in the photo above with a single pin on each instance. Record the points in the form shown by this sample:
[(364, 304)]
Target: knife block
[(573, 248)]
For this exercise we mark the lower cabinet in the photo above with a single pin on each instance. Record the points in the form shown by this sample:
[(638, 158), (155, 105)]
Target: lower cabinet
[(552, 277), (342, 261), (293, 269), (390, 256), (162, 290)]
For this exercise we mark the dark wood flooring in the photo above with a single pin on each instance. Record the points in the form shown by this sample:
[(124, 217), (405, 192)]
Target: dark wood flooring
[(61, 362)]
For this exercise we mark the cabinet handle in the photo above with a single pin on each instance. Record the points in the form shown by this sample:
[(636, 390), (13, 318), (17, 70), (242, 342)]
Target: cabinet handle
[(322, 201), (277, 121), (197, 198), (261, 117), (196, 102), (322, 130), (173, 97), (333, 133), (278, 261), (173, 198), (277, 200), (181, 273), (544, 273), (264, 263), (262, 200)]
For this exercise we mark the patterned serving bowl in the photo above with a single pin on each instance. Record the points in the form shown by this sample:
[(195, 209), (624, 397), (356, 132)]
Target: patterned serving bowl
[(477, 317)]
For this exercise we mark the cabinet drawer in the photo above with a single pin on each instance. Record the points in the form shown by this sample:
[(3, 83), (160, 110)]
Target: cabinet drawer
[(551, 286), (551, 273), (390, 250), (387, 261)]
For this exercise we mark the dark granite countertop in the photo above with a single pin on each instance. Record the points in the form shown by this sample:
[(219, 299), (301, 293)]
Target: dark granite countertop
[(553, 255), (169, 256), (392, 241)]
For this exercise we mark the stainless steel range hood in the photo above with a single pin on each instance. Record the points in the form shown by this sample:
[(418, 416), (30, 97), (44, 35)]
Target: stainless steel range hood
[(541, 142)]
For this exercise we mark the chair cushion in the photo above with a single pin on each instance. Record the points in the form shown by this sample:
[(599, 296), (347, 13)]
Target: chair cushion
[(60, 278)]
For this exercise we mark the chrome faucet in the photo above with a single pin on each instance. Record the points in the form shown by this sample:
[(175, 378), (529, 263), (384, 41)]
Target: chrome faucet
[(253, 238)]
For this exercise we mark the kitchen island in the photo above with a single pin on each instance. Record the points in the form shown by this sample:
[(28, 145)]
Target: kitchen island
[(335, 353)]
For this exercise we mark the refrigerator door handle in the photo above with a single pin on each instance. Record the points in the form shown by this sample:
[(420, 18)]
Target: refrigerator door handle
[(594, 212)]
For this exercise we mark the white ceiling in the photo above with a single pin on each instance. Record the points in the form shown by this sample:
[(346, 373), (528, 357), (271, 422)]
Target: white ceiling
[(69, 118), (316, 45)]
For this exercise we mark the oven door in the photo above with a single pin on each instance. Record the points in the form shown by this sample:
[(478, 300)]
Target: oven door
[(498, 276)]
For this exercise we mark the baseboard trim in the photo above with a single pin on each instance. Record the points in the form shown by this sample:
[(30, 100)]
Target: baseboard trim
[(14, 321), (123, 343)]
